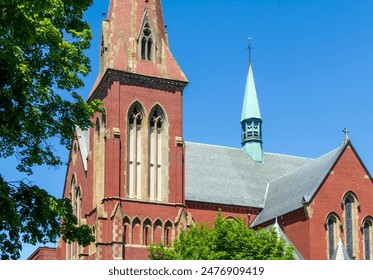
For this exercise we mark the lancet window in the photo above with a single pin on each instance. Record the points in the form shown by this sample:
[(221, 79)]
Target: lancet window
[(146, 43), (331, 236), (156, 141), (350, 205), (332, 226), (349, 232), (367, 233), (135, 133), (75, 195)]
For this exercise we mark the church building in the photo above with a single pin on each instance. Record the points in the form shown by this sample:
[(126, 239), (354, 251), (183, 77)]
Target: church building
[(134, 180)]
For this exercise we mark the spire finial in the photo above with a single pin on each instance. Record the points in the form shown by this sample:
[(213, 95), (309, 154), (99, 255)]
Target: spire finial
[(346, 138), (250, 48)]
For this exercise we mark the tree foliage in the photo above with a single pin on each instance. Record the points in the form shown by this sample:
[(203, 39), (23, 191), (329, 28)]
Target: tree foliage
[(30, 215), (42, 63), (227, 240)]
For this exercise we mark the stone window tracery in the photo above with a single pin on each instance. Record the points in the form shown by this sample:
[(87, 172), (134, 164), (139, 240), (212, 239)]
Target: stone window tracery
[(146, 41), (135, 132), (157, 140)]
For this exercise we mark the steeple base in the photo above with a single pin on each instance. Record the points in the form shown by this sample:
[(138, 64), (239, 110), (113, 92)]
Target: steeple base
[(254, 151)]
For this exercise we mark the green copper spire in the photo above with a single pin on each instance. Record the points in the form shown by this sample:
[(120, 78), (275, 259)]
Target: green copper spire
[(250, 107), (251, 120)]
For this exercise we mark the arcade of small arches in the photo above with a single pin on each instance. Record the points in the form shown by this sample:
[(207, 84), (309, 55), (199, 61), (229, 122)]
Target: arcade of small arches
[(146, 231), (349, 227)]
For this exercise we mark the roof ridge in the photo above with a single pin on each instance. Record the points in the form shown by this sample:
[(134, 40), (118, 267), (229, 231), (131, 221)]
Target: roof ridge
[(266, 153), (213, 145), (285, 155), (265, 195)]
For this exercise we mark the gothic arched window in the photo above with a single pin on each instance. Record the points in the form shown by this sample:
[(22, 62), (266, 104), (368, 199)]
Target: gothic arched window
[(147, 44), (332, 225), (157, 144), (350, 205), (75, 195), (349, 231), (135, 131), (331, 236), (146, 39), (367, 233), (78, 205)]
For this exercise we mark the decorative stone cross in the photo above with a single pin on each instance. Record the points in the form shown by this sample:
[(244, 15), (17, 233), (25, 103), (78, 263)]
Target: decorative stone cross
[(346, 138)]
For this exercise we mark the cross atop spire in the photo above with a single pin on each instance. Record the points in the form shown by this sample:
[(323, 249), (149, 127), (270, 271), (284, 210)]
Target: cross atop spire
[(346, 138), (250, 48)]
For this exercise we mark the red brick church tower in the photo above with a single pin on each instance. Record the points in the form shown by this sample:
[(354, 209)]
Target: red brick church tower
[(130, 189)]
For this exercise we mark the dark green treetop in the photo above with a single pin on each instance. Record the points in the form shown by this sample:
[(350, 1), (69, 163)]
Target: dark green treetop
[(42, 63), (228, 239)]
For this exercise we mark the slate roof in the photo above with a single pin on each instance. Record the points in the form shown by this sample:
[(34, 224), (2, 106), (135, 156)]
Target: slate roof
[(289, 192), (279, 185), (223, 175)]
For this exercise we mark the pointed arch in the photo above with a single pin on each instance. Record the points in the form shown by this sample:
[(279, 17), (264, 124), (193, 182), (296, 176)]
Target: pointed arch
[(75, 150), (157, 231), (72, 248), (135, 152), (168, 233), (351, 206), (146, 39), (72, 185), (367, 230), (126, 235), (136, 231), (332, 226), (147, 232), (158, 154), (78, 204)]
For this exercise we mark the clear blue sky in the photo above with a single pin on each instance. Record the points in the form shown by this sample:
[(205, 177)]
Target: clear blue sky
[(312, 63)]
